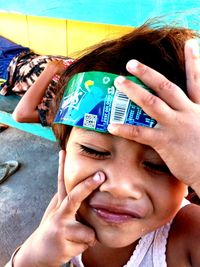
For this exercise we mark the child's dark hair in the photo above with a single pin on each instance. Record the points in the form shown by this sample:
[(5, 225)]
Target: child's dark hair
[(161, 48)]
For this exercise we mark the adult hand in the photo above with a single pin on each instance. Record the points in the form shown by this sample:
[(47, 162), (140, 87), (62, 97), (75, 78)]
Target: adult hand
[(60, 236), (176, 137)]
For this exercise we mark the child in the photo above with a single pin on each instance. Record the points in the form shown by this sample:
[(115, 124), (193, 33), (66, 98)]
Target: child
[(121, 198), (34, 78), (34, 105)]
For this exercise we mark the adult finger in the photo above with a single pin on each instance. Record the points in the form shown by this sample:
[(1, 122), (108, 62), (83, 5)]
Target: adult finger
[(144, 135), (61, 184), (151, 104), (192, 66), (166, 90), (73, 200)]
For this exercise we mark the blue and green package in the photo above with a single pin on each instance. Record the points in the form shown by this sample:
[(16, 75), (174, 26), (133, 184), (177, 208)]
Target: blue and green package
[(92, 101)]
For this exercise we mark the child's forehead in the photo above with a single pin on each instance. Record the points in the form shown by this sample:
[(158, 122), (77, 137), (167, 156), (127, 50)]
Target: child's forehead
[(85, 133), (93, 137)]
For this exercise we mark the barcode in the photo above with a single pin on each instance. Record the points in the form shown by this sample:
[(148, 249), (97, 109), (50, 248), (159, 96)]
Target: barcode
[(119, 107)]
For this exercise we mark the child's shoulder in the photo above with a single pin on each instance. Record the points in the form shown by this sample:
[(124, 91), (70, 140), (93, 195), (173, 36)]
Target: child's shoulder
[(184, 237)]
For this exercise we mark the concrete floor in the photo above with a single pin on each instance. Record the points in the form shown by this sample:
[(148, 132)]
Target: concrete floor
[(25, 195)]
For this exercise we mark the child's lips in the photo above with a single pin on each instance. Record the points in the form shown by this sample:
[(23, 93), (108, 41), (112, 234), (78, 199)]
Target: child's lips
[(114, 214)]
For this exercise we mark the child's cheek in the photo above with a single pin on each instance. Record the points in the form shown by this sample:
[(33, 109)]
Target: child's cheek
[(74, 173)]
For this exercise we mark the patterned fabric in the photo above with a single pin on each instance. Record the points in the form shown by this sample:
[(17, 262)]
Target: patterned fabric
[(24, 70)]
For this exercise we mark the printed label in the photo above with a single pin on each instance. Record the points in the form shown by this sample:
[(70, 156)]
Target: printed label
[(119, 107), (91, 101)]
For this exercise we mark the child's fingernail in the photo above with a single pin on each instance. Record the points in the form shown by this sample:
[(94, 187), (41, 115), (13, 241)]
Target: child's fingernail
[(132, 65), (194, 46), (99, 177), (120, 79)]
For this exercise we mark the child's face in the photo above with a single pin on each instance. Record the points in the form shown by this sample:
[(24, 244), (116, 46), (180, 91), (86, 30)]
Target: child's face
[(138, 195)]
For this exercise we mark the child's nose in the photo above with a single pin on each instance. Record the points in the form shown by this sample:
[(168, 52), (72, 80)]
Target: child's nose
[(123, 182)]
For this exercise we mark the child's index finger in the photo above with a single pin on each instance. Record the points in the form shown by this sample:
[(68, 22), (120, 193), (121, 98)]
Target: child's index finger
[(61, 185), (79, 193)]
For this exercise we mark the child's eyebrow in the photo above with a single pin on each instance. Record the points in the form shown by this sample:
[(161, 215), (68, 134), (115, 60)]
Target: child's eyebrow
[(83, 132), (93, 136)]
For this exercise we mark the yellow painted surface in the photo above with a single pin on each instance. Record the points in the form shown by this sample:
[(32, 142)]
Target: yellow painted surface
[(14, 27), (50, 36), (47, 35), (82, 34)]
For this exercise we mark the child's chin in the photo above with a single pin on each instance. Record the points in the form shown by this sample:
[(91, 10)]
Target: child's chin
[(113, 241)]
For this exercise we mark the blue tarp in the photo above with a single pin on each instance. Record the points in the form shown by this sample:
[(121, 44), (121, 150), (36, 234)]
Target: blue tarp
[(8, 50)]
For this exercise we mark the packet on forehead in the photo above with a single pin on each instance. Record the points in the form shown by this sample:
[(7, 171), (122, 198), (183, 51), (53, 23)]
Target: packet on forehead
[(92, 101)]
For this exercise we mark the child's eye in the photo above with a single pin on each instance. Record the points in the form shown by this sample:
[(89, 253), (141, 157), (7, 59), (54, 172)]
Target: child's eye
[(94, 153), (162, 168)]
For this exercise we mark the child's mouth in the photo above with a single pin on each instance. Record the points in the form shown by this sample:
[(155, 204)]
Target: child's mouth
[(111, 217), (114, 214)]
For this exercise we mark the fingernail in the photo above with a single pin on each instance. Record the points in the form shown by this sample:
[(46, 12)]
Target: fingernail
[(120, 79), (194, 46), (99, 177), (111, 128), (132, 65)]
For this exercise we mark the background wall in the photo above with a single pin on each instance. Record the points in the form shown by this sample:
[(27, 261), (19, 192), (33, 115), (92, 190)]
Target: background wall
[(117, 12), (63, 27), (55, 36)]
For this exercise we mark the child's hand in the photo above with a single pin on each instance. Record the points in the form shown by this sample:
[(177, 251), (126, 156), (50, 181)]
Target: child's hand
[(56, 66), (176, 137), (60, 236)]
